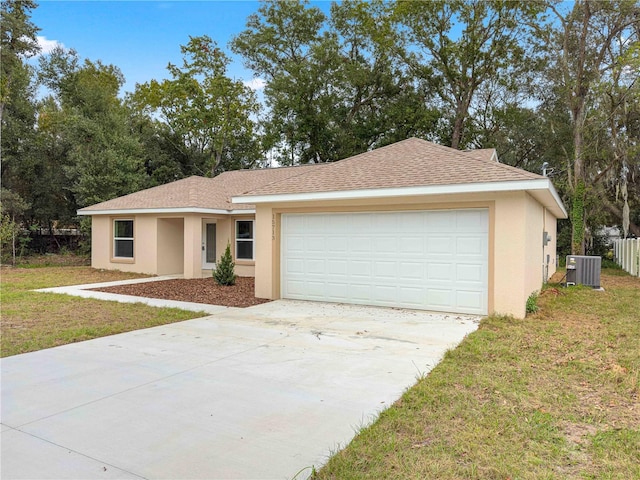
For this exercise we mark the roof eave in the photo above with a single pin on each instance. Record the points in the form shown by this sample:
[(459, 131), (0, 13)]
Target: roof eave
[(550, 199), (165, 211)]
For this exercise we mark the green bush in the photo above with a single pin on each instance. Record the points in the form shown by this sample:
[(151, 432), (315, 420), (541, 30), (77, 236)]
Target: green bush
[(532, 303), (224, 273)]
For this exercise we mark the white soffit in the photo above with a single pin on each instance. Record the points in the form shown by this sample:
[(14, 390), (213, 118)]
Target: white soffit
[(542, 189), (164, 211)]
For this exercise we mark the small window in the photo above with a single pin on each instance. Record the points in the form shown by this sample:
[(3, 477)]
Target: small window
[(244, 239), (123, 238)]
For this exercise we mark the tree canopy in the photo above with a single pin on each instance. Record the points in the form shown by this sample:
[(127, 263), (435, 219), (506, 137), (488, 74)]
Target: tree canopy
[(544, 82)]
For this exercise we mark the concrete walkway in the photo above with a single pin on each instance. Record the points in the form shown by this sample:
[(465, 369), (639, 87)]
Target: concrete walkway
[(85, 291), (263, 392)]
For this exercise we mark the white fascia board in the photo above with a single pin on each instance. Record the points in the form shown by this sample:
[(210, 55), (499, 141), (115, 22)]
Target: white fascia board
[(558, 200), (164, 211), (518, 185)]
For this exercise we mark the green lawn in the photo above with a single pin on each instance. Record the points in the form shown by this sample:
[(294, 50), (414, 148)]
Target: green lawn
[(33, 320), (556, 395)]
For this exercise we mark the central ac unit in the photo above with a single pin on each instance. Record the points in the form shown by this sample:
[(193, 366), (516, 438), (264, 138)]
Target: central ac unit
[(583, 270)]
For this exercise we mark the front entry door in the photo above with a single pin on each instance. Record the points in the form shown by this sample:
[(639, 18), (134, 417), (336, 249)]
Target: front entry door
[(208, 245)]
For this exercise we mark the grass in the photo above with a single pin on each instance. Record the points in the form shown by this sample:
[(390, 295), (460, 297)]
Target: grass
[(555, 395), (32, 320)]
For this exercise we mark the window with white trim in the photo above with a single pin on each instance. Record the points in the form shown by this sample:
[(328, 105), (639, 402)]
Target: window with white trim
[(244, 240), (123, 238)]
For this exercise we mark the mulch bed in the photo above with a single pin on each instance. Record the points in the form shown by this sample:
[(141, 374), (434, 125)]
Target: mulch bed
[(198, 290)]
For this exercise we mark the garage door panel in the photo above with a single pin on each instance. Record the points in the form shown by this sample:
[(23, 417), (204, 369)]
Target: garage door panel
[(293, 266), (412, 271), (385, 270), (440, 271), (295, 243), (434, 260), (385, 224), (294, 287), (315, 289), (411, 246), (315, 267), (360, 292), (469, 273), (470, 246), (338, 245), (440, 221), (337, 267), (361, 222), (360, 268), (472, 221), (386, 294), (360, 244), (439, 297), (314, 224), (335, 223), (384, 245), (337, 290), (468, 299), (408, 221), (296, 224), (440, 245), (413, 296), (313, 244)]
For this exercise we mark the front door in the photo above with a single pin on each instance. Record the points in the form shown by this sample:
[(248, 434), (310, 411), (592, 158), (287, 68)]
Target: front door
[(208, 245)]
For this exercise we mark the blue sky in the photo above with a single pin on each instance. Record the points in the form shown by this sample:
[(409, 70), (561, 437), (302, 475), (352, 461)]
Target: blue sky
[(141, 37)]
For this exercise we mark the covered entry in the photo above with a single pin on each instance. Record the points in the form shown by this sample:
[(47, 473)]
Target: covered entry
[(431, 260)]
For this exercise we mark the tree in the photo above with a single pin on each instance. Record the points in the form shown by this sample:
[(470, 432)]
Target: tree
[(11, 211), (18, 112), (333, 86), (583, 54), (224, 273), (18, 42), (101, 155), (489, 52), (212, 114)]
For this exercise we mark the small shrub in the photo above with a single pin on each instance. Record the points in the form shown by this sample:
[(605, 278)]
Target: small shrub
[(532, 303), (609, 263), (224, 273)]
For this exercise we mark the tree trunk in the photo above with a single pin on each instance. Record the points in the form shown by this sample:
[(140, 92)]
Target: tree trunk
[(456, 136), (577, 101), (578, 219), (13, 242), (616, 211)]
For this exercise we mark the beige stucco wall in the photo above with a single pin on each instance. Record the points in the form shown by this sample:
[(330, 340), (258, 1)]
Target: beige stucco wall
[(170, 240), (534, 252), (165, 244), (144, 244), (550, 250), (226, 232), (515, 240)]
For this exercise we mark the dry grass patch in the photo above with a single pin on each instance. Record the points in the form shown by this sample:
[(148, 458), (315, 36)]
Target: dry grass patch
[(553, 396), (33, 320)]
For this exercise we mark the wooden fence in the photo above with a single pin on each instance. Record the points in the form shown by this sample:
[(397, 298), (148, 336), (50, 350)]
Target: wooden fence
[(627, 255)]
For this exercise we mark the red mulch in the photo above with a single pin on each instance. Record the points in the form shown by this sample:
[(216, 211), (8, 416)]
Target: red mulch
[(198, 290)]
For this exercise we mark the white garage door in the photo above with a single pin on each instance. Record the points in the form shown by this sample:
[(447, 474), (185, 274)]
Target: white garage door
[(432, 260)]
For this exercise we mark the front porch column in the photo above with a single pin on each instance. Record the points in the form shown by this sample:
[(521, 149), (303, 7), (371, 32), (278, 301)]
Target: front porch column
[(192, 246)]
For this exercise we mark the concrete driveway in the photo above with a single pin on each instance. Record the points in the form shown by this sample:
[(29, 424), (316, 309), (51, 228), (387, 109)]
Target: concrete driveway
[(263, 392)]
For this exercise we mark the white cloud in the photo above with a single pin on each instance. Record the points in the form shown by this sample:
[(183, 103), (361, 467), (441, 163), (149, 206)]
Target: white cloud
[(46, 45), (255, 83)]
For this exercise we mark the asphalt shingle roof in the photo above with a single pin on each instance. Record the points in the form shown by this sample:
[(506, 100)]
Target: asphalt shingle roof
[(200, 192), (411, 162)]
